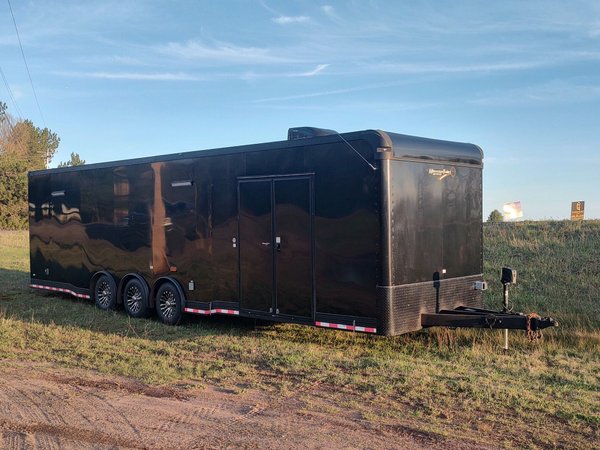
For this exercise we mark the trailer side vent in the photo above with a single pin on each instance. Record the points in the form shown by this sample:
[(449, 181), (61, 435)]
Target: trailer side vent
[(308, 132), (480, 286), (181, 183)]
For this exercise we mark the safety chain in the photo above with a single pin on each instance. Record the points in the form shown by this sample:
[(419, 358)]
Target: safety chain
[(536, 334)]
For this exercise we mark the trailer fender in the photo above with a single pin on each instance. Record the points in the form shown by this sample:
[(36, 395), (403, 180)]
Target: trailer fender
[(125, 280), (158, 283)]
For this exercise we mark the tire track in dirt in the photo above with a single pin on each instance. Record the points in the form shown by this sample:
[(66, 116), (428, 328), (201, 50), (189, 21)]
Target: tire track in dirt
[(105, 404), (44, 406), (105, 390), (25, 407), (47, 401), (272, 408), (70, 433), (12, 440), (30, 409)]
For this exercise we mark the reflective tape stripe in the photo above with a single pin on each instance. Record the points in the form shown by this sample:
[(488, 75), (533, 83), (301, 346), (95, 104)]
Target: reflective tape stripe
[(197, 311), (225, 311), (366, 329), (208, 312), (66, 291), (340, 326)]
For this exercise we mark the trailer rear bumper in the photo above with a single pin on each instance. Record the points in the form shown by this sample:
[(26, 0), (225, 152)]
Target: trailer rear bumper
[(467, 317)]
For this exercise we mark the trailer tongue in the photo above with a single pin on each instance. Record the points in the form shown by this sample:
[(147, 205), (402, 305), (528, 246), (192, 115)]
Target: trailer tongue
[(470, 317), (466, 317)]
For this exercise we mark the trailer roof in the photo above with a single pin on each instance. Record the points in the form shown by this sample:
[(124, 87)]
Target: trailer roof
[(404, 147), (414, 147)]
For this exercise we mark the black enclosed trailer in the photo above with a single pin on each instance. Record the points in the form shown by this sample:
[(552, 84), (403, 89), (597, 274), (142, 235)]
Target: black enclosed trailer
[(367, 231)]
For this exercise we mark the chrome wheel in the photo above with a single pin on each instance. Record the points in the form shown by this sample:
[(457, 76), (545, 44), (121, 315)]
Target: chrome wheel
[(104, 294), (133, 298), (167, 304)]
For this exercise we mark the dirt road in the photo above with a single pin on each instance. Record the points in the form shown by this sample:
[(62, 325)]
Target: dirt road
[(47, 407)]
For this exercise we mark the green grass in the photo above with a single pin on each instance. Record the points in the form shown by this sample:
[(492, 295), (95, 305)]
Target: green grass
[(443, 382), (558, 268)]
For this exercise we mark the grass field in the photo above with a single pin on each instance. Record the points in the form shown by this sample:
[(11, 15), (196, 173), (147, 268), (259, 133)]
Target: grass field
[(440, 382)]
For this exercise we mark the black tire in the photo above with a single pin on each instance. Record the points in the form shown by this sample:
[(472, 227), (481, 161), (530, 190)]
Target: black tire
[(135, 298), (168, 304), (105, 293)]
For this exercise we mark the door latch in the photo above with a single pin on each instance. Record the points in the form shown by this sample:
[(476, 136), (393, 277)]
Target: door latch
[(278, 243)]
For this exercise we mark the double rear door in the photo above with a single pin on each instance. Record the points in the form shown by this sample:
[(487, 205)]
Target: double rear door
[(276, 246)]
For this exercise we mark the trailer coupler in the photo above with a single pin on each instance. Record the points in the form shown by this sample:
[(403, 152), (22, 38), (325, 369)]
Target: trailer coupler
[(467, 317)]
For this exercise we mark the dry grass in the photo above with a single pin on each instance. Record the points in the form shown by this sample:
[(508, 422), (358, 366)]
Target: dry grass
[(445, 382)]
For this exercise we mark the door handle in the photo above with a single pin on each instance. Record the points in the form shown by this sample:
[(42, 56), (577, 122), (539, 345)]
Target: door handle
[(278, 243), (266, 243)]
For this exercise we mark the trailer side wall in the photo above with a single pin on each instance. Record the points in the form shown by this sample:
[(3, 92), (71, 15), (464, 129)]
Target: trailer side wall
[(178, 218)]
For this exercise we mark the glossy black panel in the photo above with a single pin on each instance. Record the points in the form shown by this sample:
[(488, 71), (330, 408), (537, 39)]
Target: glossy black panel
[(66, 232), (40, 250), (346, 229), (436, 221), (256, 245), (218, 199), (462, 223), (417, 224), (293, 246), (275, 162), (434, 149)]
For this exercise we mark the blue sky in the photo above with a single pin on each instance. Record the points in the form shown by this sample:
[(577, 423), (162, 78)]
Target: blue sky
[(122, 79)]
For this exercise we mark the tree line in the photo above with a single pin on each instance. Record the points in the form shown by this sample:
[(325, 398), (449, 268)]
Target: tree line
[(23, 147)]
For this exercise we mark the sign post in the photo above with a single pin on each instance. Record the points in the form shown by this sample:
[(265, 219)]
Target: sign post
[(577, 209)]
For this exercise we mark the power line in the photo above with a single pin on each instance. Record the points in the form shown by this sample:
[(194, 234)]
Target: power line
[(10, 94), (14, 102), (26, 66), (12, 99)]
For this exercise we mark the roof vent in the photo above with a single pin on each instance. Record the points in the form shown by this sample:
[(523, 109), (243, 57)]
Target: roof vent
[(308, 132)]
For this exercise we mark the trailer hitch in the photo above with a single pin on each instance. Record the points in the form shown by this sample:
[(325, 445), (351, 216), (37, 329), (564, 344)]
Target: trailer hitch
[(468, 317)]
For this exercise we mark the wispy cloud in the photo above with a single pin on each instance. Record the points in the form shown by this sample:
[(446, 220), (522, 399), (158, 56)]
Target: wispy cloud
[(328, 93), (389, 106), (136, 76), (420, 68), (285, 20), (222, 52), (312, 73), (553, 92), (251, 75), (309, 95), (331, 13)]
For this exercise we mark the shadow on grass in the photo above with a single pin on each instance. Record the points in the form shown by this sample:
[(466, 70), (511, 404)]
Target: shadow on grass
[(18, 302), (63, 310)]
